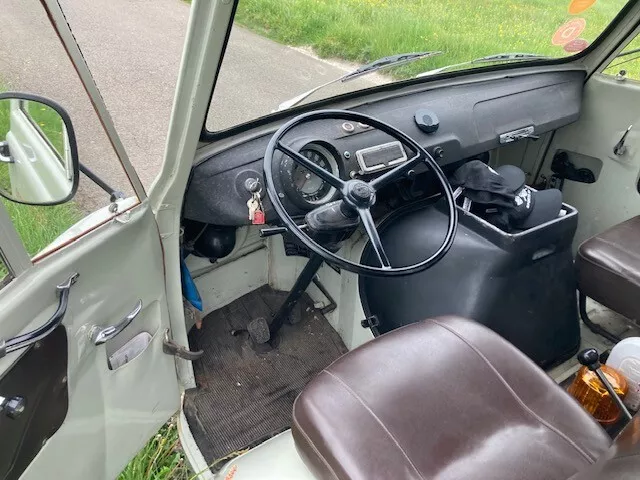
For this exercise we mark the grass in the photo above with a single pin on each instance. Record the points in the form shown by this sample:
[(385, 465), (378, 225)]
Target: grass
[(160, 459), (363, 30)]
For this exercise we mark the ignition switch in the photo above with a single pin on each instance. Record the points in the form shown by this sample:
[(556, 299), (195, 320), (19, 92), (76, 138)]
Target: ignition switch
[(253, 185)]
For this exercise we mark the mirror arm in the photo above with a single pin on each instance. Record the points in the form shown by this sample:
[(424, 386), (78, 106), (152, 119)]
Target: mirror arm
[(114, 194)]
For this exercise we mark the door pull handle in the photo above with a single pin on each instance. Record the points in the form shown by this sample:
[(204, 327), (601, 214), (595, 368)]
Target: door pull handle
[(100, 335), (27, 339)]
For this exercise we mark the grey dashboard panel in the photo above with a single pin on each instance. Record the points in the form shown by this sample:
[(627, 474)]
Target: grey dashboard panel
[(472, 118)]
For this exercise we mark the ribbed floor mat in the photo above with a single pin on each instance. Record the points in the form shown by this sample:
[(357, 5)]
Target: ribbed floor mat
[(244, 397)]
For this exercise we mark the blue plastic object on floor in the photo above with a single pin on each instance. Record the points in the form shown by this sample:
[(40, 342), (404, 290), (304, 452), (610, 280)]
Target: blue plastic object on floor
[(189, 289)]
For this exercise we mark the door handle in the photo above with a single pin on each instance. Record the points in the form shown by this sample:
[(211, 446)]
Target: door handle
[(620, 148), (28, 339), (100, 335)]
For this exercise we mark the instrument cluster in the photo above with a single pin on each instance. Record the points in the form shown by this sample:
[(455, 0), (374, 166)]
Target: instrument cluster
[(306, 190)]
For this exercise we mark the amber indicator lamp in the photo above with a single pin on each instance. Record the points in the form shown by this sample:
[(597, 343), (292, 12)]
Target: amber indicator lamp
[(591, 390)]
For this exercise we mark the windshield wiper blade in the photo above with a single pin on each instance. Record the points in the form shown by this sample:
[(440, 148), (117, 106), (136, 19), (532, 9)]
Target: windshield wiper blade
[(384, 62), (498, 57)]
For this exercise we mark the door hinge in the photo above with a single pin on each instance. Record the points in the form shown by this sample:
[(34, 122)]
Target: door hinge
[(171, 348)]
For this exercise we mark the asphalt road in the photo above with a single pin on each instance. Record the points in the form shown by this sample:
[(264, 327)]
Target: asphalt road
[(133, 49)]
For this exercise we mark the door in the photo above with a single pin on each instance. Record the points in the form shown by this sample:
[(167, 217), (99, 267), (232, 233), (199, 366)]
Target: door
[(84, 381), (82, 396), (596, 160), (605, 185)]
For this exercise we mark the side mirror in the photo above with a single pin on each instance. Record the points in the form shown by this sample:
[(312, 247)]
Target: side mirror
[(38, 151)]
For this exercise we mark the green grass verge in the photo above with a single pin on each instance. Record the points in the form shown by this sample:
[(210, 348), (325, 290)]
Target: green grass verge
[(160, 459), (363, 30), (39, 226)]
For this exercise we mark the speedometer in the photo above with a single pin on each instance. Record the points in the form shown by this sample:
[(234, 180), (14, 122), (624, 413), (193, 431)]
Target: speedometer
[(305, 188)]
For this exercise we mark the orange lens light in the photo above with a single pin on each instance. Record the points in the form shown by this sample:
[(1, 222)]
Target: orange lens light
[(590, 392)]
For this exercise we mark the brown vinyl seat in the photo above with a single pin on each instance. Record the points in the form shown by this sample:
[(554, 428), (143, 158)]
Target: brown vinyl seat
[(608, 268), (443, 399)]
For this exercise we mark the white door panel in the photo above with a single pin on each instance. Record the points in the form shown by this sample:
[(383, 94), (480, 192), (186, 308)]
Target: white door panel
[(111, 413), (609, 107)]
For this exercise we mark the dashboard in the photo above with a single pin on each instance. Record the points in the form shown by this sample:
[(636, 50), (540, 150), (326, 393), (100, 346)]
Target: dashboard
[(453, 123)]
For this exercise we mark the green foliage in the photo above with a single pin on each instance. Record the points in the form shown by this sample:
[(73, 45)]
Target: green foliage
[(39, 226), (363, 30), (160, 459)]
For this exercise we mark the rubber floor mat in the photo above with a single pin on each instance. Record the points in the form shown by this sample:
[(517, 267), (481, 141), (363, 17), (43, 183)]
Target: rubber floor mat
[(244, 397)]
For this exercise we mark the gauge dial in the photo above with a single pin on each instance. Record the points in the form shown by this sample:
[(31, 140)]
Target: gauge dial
[(311, 188)]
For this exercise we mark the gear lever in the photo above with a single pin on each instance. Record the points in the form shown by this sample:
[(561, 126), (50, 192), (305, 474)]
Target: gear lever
[(591, 359)]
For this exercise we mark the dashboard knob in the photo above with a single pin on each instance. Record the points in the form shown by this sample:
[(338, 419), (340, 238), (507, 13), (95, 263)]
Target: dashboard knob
[(427, 121)]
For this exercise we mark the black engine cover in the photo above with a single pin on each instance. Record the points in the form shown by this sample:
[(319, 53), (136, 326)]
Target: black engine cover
[(521, 286)]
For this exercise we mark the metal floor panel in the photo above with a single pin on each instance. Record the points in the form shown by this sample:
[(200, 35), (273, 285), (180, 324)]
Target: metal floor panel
[(244, 397)]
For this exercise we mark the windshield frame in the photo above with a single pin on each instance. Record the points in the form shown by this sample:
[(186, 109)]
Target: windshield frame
[(275, 116)]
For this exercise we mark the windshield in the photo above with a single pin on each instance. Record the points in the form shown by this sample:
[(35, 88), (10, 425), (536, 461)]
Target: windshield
[(284, 53)]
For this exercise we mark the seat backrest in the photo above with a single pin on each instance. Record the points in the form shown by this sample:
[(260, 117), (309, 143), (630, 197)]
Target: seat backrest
[(621, 461)]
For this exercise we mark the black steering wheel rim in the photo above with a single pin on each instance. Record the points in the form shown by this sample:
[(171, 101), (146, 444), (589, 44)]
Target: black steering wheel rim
[(388, 177)]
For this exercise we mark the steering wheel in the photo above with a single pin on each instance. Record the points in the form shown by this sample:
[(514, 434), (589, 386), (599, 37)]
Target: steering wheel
[(357, 196)]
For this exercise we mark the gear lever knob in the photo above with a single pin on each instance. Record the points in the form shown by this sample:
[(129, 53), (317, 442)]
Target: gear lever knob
[(589, 358)]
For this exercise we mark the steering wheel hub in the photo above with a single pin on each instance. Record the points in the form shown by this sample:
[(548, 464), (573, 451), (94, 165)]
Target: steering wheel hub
[(359, 194)]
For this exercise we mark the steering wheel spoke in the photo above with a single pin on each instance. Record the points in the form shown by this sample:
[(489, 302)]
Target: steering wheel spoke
[(399, 171), (314, 168), (374, 237)]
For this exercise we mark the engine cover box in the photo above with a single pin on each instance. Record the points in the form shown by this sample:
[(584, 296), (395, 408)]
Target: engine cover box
[(520, 285)]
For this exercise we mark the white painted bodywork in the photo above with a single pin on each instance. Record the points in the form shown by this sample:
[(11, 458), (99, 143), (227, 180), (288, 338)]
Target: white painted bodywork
[(609, 107), (111, 413)]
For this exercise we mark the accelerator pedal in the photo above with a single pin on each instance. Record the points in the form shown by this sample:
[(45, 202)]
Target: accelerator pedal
[(258, 330)]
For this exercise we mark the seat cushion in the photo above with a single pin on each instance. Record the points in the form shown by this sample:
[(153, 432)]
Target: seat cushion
[(444, 398), (608, 268)]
